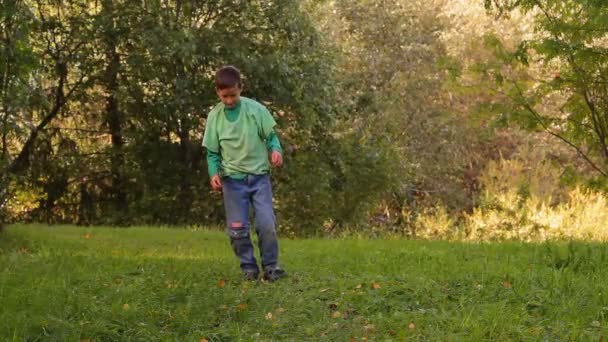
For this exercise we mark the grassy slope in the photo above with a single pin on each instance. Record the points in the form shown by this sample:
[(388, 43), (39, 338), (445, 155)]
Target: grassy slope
[(60, 283)]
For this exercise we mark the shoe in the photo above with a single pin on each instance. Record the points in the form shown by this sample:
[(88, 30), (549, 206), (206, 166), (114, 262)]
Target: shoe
[(274, 274), (251, 275)]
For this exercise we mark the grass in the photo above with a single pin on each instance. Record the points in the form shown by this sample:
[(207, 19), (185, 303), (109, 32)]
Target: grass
[(149, 284)]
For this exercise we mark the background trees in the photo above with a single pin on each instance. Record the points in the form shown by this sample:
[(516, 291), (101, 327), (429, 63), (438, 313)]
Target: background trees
[(389, 110)]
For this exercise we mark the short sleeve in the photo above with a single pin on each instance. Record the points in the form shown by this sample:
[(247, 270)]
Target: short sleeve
[(210, 138), (267, 122)]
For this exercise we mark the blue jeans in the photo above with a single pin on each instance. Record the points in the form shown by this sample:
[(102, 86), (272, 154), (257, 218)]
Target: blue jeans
[(238, 195)]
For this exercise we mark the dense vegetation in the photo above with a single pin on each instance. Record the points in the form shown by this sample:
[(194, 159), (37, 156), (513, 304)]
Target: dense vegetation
[(438, 119)]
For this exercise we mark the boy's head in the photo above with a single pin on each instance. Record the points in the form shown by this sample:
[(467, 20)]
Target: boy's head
[(228, 85)]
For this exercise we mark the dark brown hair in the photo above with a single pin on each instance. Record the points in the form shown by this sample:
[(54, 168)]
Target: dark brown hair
[(227, 77)]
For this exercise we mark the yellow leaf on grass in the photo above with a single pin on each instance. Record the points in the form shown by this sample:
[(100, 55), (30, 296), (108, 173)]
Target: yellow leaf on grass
[(412, 326), (376, 286), (204, 340), (507, 284), (323, 290), (125, 306), (87, 235), (221, 283), (241, 307), (359, 286), (336, 314), (269, 315)]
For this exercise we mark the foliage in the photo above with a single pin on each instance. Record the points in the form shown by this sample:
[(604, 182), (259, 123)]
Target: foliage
[(528, 198), (389, 111), (567, 98), (121, 90), (391, 82)]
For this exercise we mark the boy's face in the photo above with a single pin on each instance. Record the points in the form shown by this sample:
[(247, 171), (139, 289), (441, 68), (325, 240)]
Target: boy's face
[(230, 97)]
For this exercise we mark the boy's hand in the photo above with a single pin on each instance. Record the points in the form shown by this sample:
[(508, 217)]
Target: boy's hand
[(276, 159), (216, 182)]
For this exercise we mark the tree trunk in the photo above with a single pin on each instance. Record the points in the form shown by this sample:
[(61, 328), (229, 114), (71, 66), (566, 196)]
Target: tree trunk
[(113, 115)]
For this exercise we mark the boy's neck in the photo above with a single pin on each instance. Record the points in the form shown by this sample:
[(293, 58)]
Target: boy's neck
[(235, 107)]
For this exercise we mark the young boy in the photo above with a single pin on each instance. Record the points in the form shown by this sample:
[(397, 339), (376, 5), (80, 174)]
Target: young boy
[(239, 136)]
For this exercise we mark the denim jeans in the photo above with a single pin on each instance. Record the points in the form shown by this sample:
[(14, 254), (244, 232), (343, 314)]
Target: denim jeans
[(254, 190)]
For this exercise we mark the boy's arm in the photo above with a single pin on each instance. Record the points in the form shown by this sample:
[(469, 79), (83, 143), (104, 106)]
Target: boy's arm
[(214, 162), (272, 140), (273, 143), (214, 159), (274, 146)]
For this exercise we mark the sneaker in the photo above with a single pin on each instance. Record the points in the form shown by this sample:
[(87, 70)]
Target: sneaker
[(251, 275), (274, 274)]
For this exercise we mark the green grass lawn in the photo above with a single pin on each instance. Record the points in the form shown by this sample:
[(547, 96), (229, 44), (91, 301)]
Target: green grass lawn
[(149, 284)]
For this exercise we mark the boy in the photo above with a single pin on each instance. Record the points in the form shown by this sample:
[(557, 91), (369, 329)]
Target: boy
[(239, 135)]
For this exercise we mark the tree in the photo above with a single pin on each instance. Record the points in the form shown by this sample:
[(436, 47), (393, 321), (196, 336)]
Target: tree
[(393, 117), (50, 36), (569, 99)]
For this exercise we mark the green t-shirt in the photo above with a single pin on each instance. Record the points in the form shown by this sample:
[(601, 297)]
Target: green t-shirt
[(240, 139)]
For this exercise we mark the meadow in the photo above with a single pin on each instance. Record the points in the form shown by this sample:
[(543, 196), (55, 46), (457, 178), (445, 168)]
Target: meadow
[(67, 283)]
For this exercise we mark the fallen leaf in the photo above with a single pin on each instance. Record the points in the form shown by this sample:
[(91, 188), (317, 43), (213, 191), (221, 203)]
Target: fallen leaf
[(87, 235), (392, 332), (204, 340), (241, 307), (269, 315), (336, 314), (364, 338), (369, 327), (280, 310), (359, 286), (507, 284), (125, 306), (323, 290), (332, 306), (221, 283), (412, 326), (376, 286)]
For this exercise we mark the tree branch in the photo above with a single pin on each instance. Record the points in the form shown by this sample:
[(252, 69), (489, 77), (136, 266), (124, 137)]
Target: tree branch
[(540, 119)]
